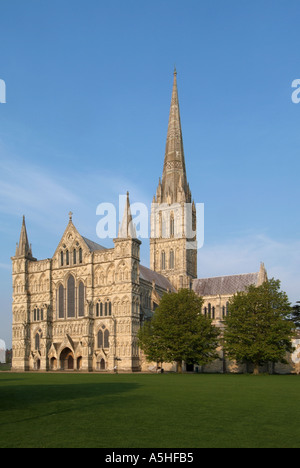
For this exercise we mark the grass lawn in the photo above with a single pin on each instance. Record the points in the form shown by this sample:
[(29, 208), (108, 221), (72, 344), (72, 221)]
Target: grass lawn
[(149, 411)]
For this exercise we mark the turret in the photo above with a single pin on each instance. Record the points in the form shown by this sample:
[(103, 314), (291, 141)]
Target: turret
[(21, 302), (23, 249), (127, 265)]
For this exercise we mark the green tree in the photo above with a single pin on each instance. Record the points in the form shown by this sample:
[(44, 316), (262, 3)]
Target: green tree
[(295, 315), (179, 331), (257, 329), (149, 342)]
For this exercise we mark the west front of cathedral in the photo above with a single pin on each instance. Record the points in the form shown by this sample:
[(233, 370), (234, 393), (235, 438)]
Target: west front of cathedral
[(82, 308)]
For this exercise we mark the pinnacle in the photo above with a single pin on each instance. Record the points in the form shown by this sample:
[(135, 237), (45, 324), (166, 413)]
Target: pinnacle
[(23, 248), (127, 228)]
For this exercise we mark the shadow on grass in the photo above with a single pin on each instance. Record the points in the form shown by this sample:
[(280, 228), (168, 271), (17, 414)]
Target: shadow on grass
[(23, 402)]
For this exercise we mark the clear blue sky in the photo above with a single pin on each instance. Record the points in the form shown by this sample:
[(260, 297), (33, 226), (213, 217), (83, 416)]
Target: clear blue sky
[(88, 95)]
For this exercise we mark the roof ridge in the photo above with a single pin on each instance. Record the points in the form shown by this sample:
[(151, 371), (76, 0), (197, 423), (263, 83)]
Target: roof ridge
[(227, 276)]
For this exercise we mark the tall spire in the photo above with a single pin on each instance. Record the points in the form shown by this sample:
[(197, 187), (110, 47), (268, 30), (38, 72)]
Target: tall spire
[(127, 228), (174, 178), (173, 215), (23, 249)]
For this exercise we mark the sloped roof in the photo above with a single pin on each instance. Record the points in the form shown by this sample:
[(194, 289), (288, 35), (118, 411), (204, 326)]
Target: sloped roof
[(150, 275), (93, 246), (222, 285)]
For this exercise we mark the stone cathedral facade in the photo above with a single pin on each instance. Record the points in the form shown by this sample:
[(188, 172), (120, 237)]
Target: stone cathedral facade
[(82, 308)]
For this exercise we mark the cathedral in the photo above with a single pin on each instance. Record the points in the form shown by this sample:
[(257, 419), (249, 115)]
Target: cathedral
[(82, 308)]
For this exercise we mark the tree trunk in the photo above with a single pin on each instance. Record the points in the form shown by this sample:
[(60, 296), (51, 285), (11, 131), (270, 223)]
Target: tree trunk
[(179, 367), (256, 369)]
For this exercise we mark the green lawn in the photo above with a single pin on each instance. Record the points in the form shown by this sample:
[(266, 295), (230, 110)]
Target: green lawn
[(149, 411)]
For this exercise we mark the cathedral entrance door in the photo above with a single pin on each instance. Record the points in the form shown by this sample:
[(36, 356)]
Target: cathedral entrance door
[(70, 362), (102, 364), (67, 359), (53, 364)]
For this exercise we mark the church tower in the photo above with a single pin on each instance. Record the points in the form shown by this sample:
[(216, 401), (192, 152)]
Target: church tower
[(21, 302), (173, 245)]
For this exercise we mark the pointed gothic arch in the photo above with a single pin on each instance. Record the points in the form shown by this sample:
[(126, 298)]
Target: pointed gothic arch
[(37, 341), (106, 339), (66, 359), (81, 294), (163, 260), (172, 225), (102, 337), (102, 364), (172, 260), (74, 256), (110, 275), (99, 276), (42, 283), (71, 296), (53, 363), (60, 301)]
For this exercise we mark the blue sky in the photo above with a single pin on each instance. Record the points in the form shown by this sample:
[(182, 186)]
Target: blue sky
[(88, 94)]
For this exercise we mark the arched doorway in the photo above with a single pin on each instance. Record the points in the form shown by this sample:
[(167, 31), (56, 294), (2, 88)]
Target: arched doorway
[(70, 362), (53, 363), (67, 359), (79, 362), (101, 364)]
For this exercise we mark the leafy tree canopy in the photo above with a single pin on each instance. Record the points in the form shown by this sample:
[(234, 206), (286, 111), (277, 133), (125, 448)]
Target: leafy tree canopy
[(257, 329), (295, 315), (179, 331)]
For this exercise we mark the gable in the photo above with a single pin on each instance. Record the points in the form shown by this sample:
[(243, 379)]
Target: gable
[(71, 240)]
